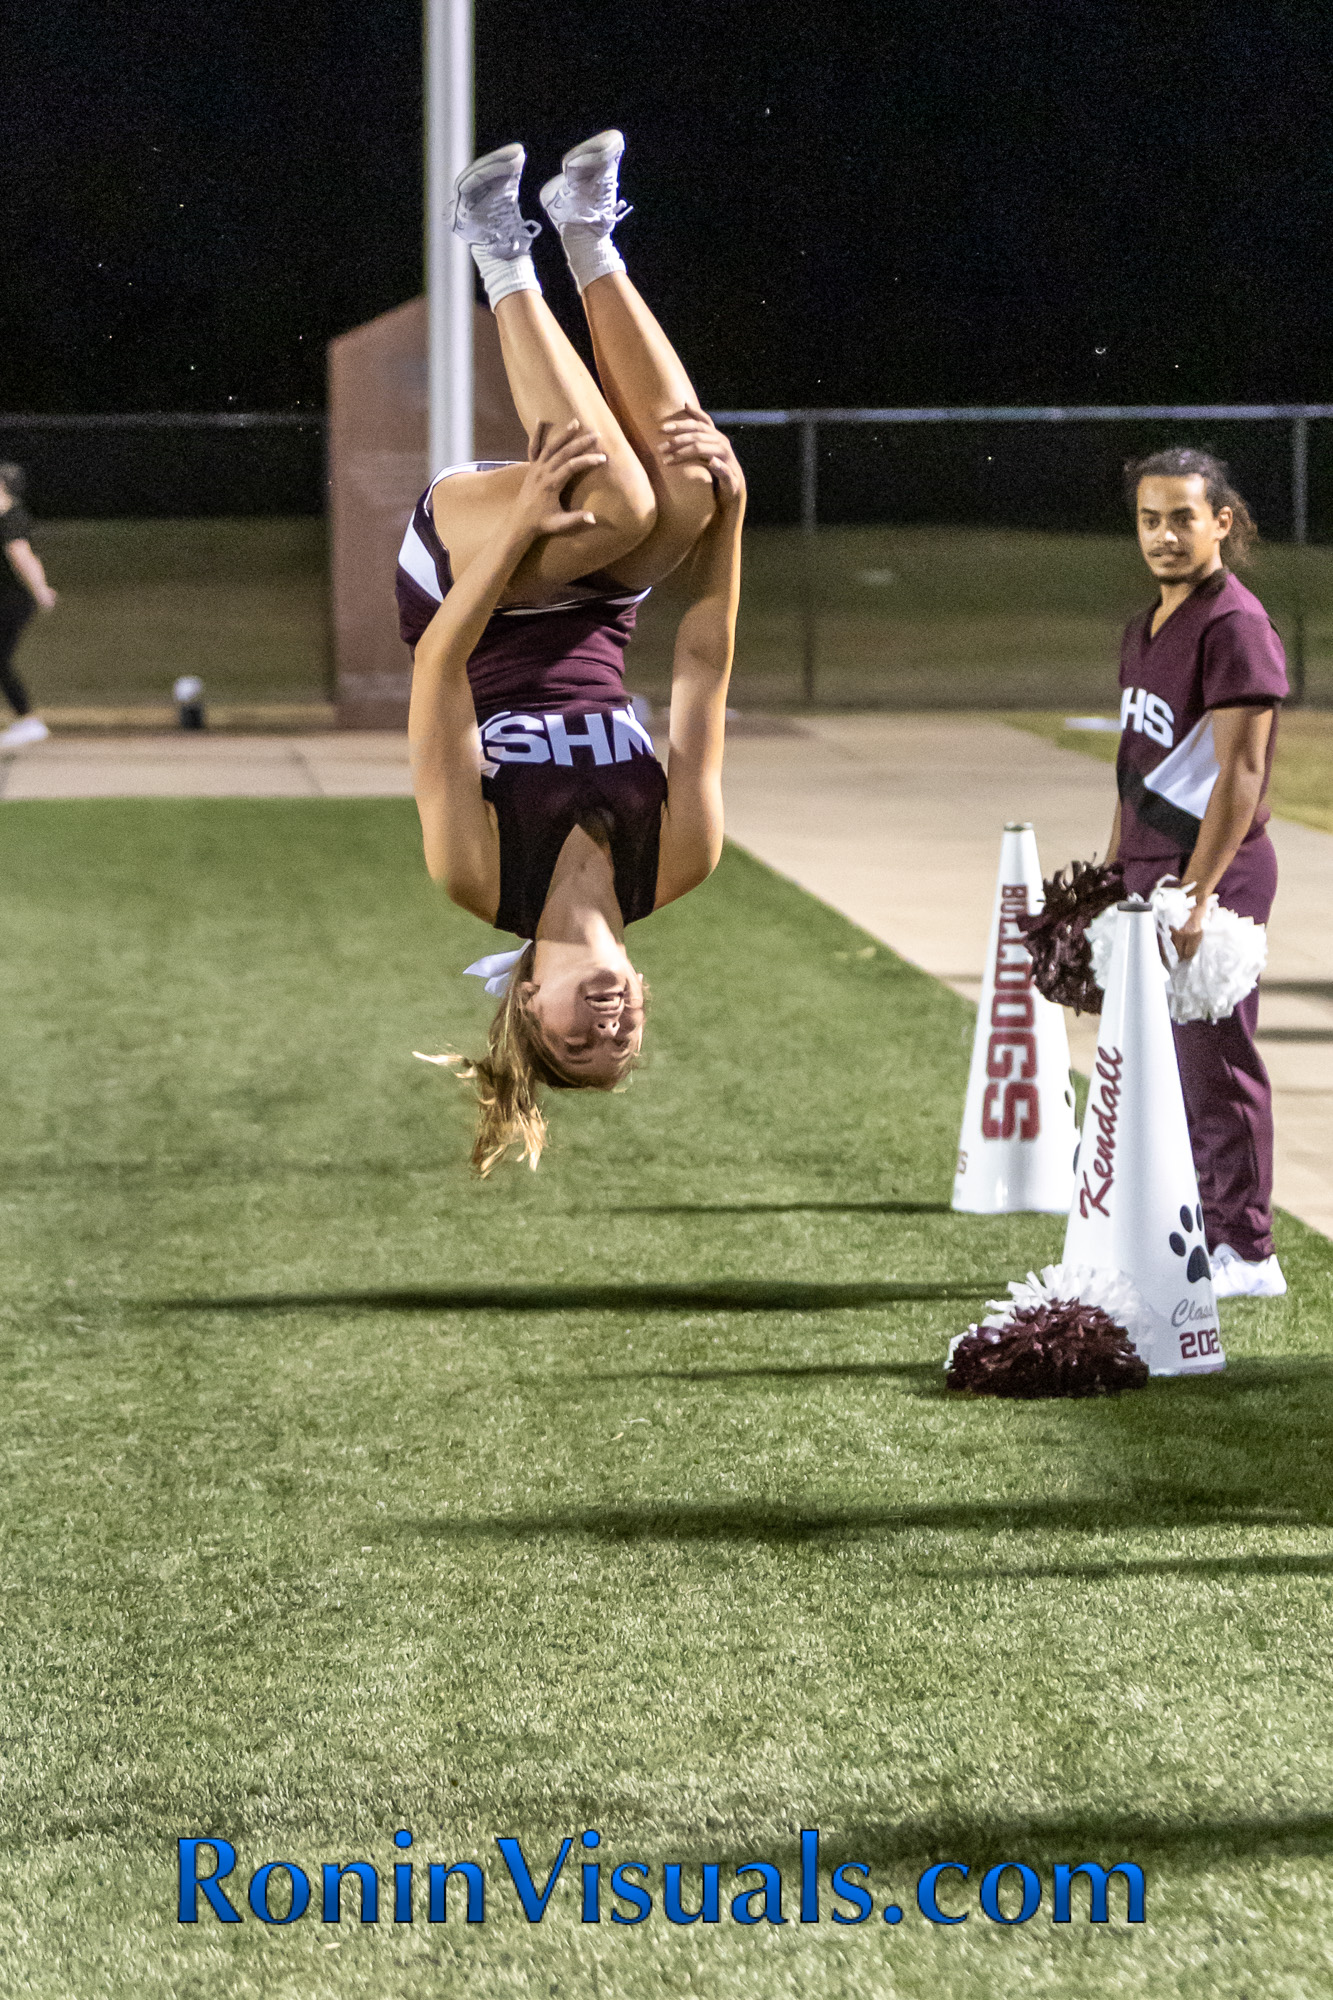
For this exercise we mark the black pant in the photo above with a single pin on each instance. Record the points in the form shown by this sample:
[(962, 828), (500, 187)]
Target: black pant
[(14, 615)]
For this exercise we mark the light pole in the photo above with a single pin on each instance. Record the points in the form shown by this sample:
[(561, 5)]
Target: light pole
[(449, 287)]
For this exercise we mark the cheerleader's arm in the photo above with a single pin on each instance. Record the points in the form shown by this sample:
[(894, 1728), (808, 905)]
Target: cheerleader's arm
[(458, 829), (692, 830)]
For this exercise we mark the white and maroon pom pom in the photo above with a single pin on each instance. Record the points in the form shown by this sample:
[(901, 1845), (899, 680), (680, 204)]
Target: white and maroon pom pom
[(1065, 1333)]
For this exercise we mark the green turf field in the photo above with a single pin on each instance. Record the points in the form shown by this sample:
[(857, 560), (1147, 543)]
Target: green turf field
[(921, 618), (907, 617), (244, 603), (345, 1495)]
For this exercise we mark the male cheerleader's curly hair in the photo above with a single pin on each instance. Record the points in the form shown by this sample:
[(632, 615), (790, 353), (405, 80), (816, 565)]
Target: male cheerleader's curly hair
[(1183, 461), (516, 1066)]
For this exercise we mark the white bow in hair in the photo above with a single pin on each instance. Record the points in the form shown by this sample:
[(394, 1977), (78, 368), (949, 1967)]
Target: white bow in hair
[(497, 970)]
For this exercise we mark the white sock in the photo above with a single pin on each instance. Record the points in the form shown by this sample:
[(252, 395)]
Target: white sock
[(503, 275), (590, 251)]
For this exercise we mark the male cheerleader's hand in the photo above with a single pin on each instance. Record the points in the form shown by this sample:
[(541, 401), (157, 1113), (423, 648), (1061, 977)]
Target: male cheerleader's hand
[(691, 438), (555, 458), (1190, 935)]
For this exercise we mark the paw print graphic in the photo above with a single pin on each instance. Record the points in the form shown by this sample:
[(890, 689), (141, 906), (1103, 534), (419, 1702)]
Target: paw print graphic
[(1199, 1265)]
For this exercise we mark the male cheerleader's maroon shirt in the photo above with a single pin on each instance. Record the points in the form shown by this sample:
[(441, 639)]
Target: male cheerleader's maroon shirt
[(1216, 650), (562, 746)]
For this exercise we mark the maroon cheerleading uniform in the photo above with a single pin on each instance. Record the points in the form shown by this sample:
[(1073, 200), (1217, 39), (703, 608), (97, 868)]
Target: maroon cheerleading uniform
[(561, 744), (1216, 650)]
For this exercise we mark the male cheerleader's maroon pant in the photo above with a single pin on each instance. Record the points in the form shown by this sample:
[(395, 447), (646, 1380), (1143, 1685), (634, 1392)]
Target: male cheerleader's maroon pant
[(1228, 1100)]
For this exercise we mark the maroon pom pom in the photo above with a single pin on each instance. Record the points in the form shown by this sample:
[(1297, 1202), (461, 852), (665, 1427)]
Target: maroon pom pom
[(1063, 1349), (1056, 936)]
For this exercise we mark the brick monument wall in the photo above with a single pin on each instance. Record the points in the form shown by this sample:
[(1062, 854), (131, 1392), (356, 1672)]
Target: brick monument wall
[(377, 468)]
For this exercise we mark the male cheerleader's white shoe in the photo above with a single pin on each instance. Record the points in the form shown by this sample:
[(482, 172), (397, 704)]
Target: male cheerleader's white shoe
[(585, 189), (1233, 1278), (486, 204), (28, 729)]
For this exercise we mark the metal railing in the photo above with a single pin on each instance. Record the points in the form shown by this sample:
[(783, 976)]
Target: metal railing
[(171, 462), (163, 420), (809, 422), (1298, 415)]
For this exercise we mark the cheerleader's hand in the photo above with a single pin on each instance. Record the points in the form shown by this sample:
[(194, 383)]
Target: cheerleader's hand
[(1190, 935), (691, 438), (556, 457)]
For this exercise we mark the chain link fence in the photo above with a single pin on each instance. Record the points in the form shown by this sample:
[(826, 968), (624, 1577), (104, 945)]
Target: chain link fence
[(897, 558)]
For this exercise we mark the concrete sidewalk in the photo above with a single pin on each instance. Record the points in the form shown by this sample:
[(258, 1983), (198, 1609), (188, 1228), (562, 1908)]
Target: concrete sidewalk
[(180, 765), (893, 819)]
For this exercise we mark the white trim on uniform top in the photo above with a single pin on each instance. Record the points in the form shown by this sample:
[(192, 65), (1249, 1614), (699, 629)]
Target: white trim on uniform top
[(566, 604), (414, 556), (416, 559), (1186, 778), (471, 465)]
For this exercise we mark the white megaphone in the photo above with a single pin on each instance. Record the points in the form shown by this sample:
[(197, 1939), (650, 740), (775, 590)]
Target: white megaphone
[(1136, 1200), (1016, 1148)]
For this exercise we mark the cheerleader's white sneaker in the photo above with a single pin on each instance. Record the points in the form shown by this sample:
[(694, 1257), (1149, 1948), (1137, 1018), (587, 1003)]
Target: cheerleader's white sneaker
[(486, 210), (586, 189), (28, 729), (584, 204), (1233, 1278)]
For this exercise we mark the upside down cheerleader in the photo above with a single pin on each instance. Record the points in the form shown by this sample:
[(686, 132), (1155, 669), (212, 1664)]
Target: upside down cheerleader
[(544, 809)]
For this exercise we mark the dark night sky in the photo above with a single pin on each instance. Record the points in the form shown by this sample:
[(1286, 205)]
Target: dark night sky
[(927, 200)]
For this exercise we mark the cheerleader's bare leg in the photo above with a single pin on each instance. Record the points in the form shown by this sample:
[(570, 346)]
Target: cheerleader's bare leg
[(551, 387), (642, 376), (645, 382)]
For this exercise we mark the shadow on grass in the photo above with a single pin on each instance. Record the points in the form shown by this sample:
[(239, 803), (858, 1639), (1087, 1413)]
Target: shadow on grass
[(979, 1840), (983, 1840), (788, 1208), (811, 1371), (1106, 1837), (1204, 1568), (1246, 1451), (1155, 1508), (720, 1295)]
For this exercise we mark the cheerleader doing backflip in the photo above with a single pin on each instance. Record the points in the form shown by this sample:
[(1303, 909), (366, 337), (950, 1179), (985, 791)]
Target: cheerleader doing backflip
[(543, 807)]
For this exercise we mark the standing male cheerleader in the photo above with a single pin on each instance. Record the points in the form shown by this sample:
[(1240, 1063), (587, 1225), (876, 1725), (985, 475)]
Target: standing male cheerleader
[(1202, 673)]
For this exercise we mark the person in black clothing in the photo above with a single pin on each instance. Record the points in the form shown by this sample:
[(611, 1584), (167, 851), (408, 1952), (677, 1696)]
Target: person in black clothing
[(23, 586)]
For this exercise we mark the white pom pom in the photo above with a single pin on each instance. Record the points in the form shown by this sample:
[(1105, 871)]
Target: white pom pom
[(1232, 953), (1111, 1291), (1170, 904), (1101, 936)]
